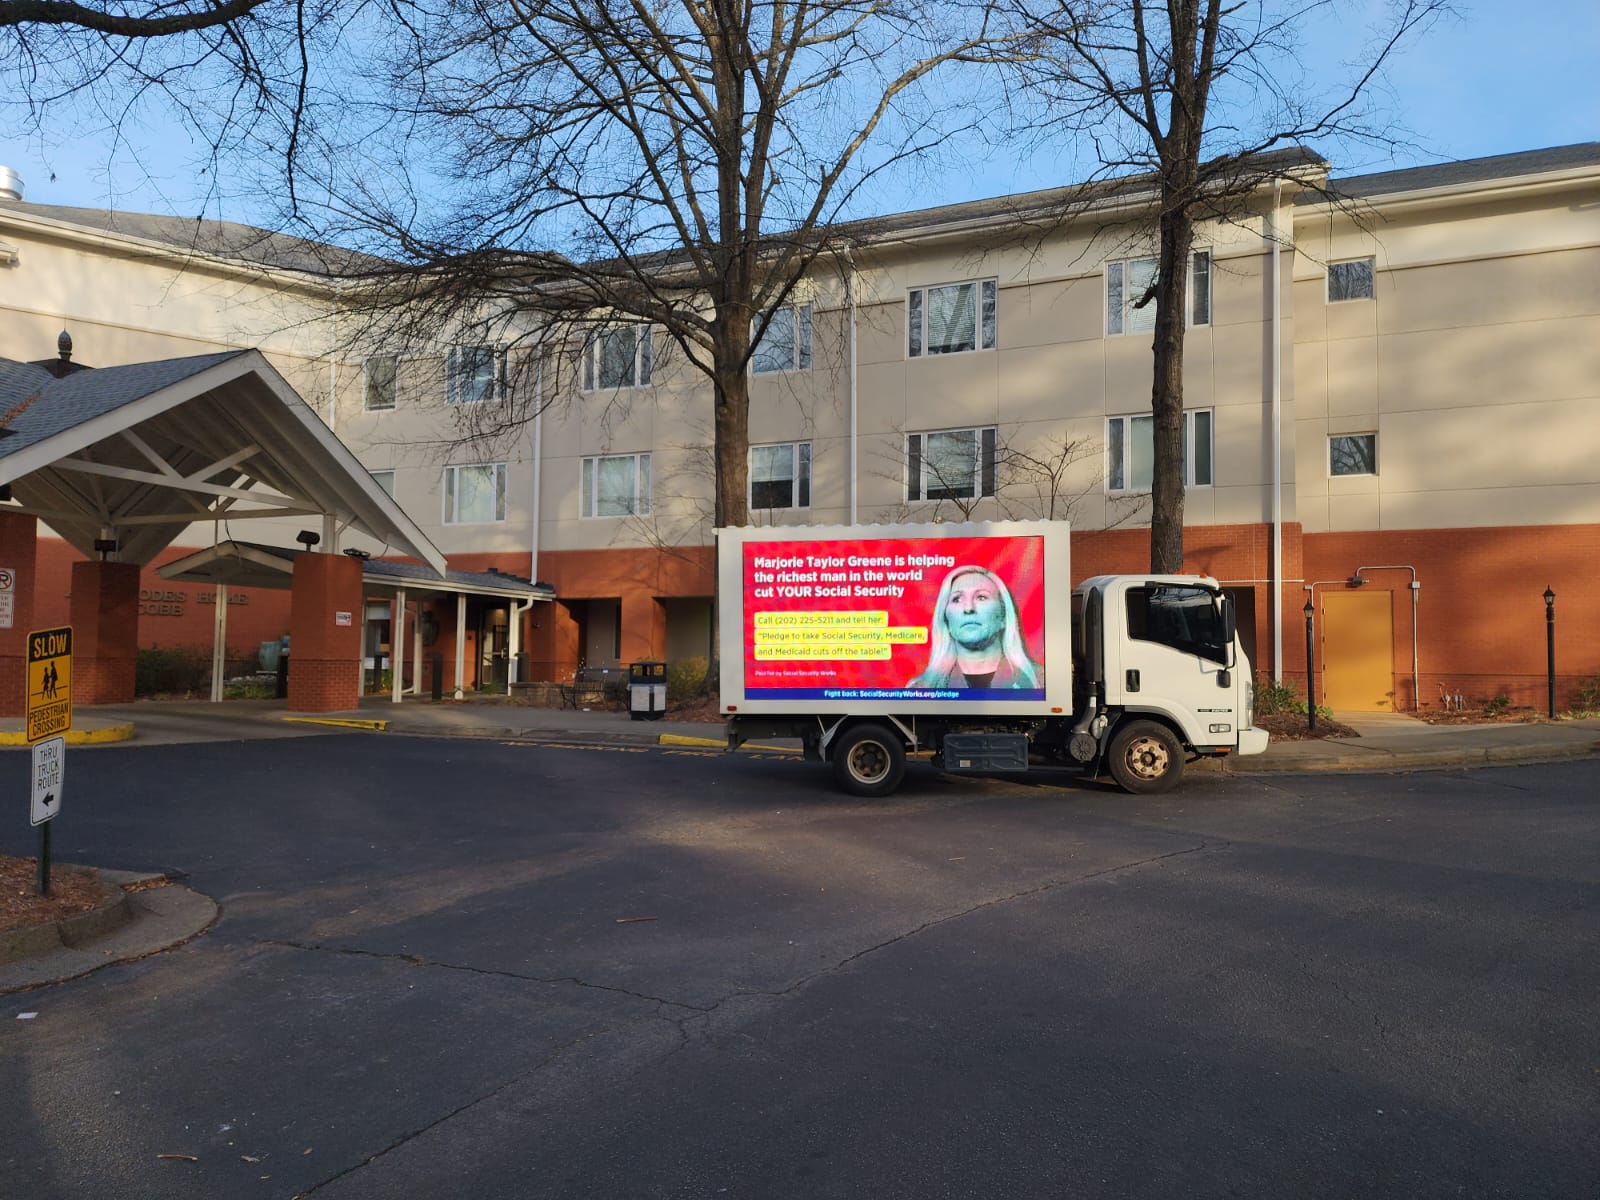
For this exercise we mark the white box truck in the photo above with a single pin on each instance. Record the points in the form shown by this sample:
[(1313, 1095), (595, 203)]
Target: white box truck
[(869, 643)]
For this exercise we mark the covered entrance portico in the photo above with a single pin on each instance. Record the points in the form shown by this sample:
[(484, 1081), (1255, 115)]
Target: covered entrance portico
[(407, 610), (123, 461)]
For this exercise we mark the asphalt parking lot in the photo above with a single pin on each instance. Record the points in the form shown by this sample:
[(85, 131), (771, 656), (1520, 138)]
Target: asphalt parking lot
[(509, 970)]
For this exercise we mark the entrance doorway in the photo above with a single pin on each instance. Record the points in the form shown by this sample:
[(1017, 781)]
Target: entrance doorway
[(494, 646), (1358, 651)]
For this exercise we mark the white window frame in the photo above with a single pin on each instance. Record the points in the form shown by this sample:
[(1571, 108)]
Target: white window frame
[(985, 317), (379, 477), (985, 465), (643, 357), (1120, 318), (1334, 437), (1128, 422), (368, 382), (798, 318), (1372, 279), (456, 379), (588, 491), (451, 508), (799, 477)]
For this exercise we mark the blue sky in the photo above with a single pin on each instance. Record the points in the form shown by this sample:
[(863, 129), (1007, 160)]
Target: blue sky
[(1496, 78)]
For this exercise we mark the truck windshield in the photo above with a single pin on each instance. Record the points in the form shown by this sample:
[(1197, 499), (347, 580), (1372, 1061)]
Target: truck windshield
[(1185, 618)]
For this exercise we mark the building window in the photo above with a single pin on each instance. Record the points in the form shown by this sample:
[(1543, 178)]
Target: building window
[(780, 476), (618, 356), (786, 343), (379, 396), (955, 464), (952, 318), (1131, 455), (473, 374), (475, 495), (385, 480), (1353, 454), (1351, 280), (1129, 281), (616, 485)]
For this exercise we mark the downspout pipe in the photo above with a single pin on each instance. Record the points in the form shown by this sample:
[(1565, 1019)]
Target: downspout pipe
[(850, 307), (1275, 574)]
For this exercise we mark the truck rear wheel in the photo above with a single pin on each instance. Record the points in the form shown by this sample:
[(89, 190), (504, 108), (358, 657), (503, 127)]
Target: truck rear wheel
[(1146, 758), (869, 760)]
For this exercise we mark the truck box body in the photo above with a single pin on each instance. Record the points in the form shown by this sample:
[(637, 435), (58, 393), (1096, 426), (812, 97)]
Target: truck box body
[(842, 619)]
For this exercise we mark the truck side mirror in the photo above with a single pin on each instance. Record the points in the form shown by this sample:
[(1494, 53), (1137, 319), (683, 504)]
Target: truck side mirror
[(1228, 619)]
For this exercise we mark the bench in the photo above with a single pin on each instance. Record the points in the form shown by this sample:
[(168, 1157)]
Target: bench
[(593, 686)]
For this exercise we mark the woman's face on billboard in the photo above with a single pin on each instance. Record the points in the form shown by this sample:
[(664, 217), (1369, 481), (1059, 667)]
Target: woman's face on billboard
[(974, 613)]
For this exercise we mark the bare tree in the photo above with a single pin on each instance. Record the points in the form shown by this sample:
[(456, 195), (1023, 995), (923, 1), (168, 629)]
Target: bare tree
[(675, 164), (1211, 101)]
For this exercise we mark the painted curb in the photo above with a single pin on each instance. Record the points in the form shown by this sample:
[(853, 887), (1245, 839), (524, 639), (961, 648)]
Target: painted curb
[(679, 739), (339, 722), (75, 737)]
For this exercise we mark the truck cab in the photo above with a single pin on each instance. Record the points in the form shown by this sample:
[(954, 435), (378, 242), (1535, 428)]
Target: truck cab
[(1160, 675)]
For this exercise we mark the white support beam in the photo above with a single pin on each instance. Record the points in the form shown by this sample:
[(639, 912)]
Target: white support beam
[(461, 645), (174, 482), (397, 645), (205, 514), (148, 452), (219, 642)]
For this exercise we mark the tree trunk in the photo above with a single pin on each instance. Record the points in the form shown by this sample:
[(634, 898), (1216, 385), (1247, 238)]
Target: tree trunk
[(1166, 393)]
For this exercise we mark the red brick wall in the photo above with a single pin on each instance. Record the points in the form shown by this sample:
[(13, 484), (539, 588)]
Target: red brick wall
[(18, 540), (1480, 610), (325, 658), (170, 615), (105, 631)]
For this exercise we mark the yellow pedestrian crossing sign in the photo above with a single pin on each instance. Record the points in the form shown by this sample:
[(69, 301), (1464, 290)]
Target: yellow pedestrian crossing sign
[(49, 682)]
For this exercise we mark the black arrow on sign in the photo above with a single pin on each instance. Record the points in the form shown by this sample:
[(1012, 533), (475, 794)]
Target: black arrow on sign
[(49, 799)]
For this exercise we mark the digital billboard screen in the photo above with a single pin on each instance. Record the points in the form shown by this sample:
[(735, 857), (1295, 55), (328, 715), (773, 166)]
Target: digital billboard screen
[(925, 618)]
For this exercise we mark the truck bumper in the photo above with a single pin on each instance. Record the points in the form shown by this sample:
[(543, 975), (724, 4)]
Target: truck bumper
[(1252, 741)]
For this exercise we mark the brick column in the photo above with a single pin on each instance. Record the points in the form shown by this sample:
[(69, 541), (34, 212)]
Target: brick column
[(18, 555), (325, 656), (105, 631)]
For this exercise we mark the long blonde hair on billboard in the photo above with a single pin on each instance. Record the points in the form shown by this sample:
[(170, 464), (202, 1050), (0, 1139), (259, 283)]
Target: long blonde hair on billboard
[(943, 651)]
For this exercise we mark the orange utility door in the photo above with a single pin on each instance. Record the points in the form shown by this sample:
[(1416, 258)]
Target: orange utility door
[(1358, 651)]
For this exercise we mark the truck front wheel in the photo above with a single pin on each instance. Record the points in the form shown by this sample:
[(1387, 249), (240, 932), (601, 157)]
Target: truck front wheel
[(869, 760), (1146, 758)]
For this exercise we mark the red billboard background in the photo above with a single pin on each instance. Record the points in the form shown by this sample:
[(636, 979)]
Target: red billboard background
[(823, 618)]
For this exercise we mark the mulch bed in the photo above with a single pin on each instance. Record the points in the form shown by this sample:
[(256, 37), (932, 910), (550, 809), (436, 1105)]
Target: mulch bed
[(1291, 727), (71, 892)]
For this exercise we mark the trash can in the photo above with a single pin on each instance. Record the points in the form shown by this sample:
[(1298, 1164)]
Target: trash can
[(647, 691)]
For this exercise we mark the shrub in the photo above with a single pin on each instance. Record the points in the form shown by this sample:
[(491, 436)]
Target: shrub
[(1497, 706), (686, 679), (1587, 698), (183, 671), (1275, 699)]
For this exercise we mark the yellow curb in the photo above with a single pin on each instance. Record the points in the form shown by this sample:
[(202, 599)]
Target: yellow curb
[(75, 737), (678, 739), (341, 722)]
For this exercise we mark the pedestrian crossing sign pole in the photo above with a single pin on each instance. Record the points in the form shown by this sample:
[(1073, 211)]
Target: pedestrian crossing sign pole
[(49, 718)]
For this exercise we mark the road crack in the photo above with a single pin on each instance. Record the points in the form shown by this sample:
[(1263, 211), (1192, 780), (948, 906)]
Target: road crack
[(416, 960)]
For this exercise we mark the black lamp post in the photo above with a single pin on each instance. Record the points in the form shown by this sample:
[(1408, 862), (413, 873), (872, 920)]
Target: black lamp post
[(1311, 676), (1550, 646)]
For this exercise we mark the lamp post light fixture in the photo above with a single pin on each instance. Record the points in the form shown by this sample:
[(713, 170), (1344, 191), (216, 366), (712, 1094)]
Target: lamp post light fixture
[(1311, 676), (1550, 646)]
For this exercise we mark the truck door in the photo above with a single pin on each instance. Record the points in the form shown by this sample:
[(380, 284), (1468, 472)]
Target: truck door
[(1173, 655)]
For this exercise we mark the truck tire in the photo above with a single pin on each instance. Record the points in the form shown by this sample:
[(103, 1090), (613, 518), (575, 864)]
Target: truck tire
[(868, 760), (1146, 758)]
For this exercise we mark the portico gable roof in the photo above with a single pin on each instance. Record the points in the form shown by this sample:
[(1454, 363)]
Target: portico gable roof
[(138, 453)]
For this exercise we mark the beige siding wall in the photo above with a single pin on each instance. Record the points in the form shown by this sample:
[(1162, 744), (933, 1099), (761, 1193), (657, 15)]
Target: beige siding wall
[(1476, 363)]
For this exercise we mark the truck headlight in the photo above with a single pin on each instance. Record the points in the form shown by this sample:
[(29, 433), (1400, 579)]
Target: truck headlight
[(1249, 703)]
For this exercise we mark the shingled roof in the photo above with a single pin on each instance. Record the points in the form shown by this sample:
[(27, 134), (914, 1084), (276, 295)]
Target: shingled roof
[(221, 239), (1470, 170)]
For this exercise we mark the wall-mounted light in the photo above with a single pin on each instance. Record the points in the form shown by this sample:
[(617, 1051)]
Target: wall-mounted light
[(352, 552), (105, 547), (308, 538)]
